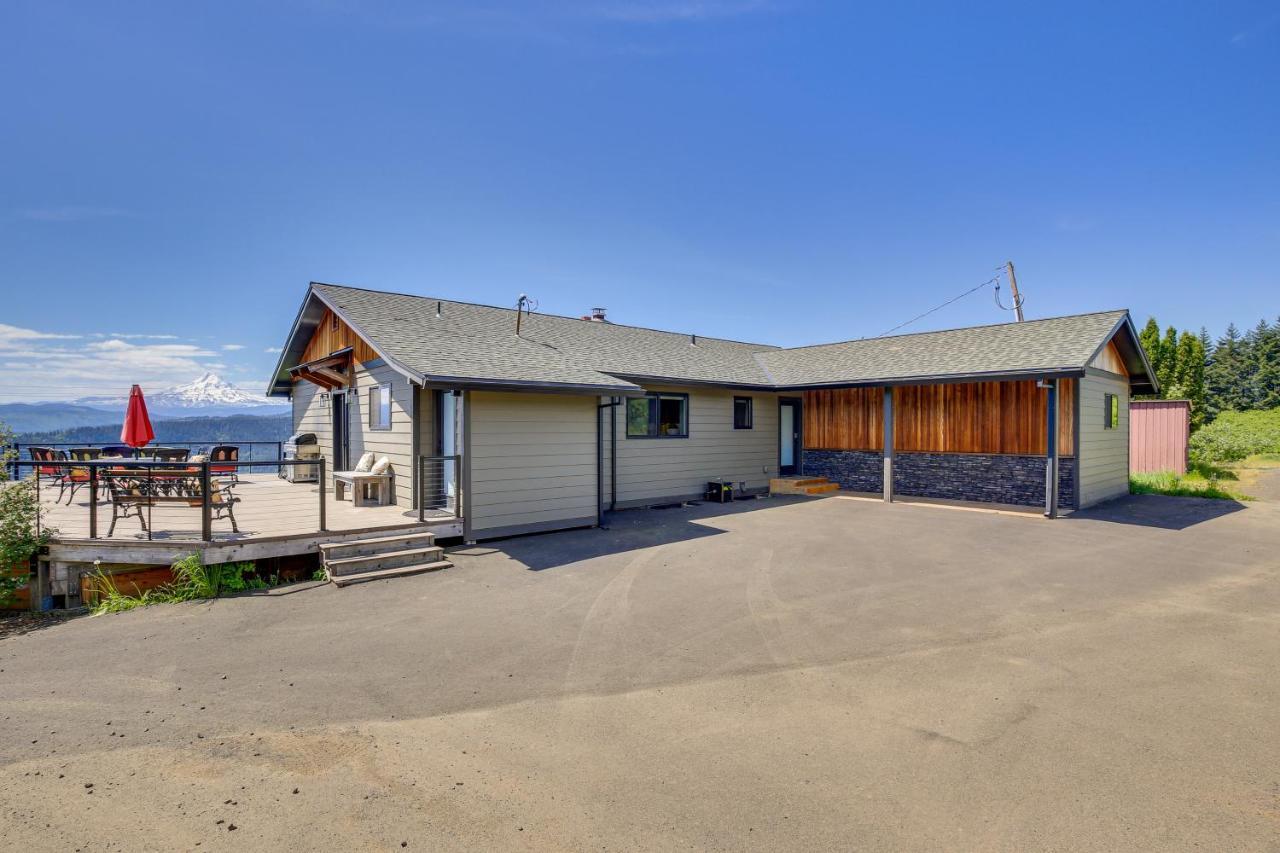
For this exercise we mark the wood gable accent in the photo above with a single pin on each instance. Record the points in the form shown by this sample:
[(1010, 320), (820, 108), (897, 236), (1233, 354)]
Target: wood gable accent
[(333, 335), (964, 417), (1109, 360)]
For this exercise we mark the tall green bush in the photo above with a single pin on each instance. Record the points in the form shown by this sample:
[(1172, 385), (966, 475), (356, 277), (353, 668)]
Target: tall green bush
[(1234, 436), (21, 535)]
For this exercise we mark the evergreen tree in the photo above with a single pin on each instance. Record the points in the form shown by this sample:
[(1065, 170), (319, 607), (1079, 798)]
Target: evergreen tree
[(1266, 360), (1225, 376), (1149, 337), (1188, 381), (1167, 372)]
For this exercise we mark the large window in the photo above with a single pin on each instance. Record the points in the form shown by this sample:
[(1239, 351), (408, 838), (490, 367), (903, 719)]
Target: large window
[(380, 406), (1111, 411), (658, 416), (742, 414)]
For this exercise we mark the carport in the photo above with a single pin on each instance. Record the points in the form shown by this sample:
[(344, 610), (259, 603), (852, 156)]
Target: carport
[(1031, 414)]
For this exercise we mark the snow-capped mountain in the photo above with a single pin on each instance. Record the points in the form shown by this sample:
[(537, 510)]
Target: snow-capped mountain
[(208, 395)]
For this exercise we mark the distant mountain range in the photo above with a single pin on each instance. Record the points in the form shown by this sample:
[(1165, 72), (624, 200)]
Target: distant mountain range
[(228, 429), (209, 396)]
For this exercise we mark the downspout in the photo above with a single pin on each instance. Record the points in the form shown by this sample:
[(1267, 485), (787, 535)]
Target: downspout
[(612, 407), (613, 453)]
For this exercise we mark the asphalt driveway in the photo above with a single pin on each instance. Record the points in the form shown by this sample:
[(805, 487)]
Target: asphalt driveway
[(778, 674)]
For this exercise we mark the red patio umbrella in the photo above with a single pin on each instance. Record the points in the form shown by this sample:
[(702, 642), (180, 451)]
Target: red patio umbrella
[(137, 431)]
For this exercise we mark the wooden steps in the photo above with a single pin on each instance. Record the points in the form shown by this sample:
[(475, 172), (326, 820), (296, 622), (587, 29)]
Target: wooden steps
[(382, 557), (802, 486)]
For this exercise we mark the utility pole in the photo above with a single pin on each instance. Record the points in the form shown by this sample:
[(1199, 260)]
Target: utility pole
[(1013, 285)]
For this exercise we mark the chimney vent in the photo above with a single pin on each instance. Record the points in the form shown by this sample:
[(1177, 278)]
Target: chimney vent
[(597, 315)]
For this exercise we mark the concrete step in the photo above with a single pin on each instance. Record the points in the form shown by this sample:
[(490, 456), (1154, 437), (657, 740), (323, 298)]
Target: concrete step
[(383, 560), (374, 545), (399, 571)]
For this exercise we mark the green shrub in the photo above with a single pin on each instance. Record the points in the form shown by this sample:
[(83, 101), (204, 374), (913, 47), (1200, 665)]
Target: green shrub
[(1234, 436), (192, 581), (21, 536)]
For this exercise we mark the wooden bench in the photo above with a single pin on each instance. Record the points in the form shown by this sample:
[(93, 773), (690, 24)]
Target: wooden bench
[(131, 492), (367, 489)]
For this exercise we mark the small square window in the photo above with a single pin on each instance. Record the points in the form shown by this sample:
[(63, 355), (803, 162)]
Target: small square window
[(380, 406), (742, 413), (1110, 411)]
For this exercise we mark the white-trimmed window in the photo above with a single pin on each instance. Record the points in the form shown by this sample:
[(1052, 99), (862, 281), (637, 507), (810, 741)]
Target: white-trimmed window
[(380, 406)]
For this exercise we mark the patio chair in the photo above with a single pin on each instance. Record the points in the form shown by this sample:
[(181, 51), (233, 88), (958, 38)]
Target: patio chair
[(71, 477), (122, 451), (45, 454), (77, 477), (170, 454), (224, 453)]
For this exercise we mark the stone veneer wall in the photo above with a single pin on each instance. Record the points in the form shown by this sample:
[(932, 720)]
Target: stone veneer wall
[(994, 478)]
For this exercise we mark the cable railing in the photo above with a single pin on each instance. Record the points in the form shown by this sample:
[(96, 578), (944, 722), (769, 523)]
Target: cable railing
[(202, 501), (439, 495), (248, 451)]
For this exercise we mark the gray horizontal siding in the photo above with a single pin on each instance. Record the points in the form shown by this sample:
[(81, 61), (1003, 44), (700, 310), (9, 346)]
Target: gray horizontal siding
[(1103, 454), (396, 443), (655, 469), (532, 461)]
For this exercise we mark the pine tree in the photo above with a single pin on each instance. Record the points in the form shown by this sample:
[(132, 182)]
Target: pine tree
[(1266, 359), (1149, 337), (1188, 382), (1225, 376), (1167, 372)]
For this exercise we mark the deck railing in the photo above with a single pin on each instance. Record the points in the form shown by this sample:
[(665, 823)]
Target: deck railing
[(438, 486), (193, 502), (249, 451)]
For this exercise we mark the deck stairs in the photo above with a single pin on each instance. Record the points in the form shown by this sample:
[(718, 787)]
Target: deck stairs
[(802, 486), (382, 557)]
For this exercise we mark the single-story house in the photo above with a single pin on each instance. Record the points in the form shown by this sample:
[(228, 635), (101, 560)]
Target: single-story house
[(529, 422)]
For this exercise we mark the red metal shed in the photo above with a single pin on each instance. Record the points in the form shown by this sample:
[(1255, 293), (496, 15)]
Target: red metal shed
[(1158, 434)]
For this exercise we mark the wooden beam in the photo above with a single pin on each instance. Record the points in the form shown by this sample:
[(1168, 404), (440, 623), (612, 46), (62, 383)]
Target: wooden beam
[(887, 419)]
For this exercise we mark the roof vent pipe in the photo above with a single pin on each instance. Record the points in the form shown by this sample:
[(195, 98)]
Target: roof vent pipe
[(437, 309), (693, 340)]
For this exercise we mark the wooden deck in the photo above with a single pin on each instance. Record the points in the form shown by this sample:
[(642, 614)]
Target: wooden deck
[(274, 517)]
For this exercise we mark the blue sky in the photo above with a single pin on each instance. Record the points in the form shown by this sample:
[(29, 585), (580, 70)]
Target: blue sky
[(789, 172)]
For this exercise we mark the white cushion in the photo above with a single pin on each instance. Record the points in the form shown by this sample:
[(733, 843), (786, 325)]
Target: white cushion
[(381, 466), (365, 463)]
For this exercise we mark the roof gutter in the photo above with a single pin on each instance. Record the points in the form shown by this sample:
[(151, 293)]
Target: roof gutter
[(944, 379)]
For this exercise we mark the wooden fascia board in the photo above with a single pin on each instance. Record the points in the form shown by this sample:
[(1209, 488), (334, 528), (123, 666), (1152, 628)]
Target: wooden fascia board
[(415, 378)]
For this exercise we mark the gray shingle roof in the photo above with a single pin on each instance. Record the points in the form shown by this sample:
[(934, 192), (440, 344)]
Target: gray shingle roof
[(442, 340), (1059, 343), (479, 342)]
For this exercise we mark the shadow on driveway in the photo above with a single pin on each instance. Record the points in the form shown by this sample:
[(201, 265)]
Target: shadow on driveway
[(1166, 513), (625, 530)]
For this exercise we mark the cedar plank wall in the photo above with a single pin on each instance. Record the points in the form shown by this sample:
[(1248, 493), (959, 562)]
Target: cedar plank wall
[(969, 417), (328, 339)]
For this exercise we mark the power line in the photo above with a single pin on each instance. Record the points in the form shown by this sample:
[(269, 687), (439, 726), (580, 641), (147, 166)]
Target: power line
[(988, 282)]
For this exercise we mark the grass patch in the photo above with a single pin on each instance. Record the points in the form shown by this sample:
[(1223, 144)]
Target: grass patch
[(192, 581), (1193, 484)]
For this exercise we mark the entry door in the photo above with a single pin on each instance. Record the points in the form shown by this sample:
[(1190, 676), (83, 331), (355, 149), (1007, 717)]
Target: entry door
[(341, 438), (788, 436)]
